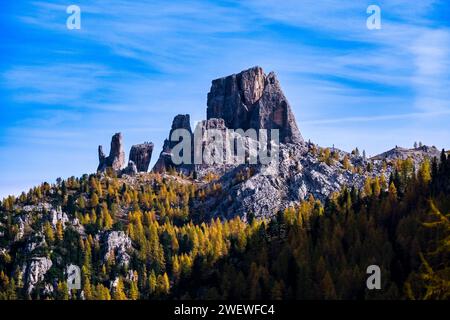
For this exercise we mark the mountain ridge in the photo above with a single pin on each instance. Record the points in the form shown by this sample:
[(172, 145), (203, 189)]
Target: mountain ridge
[(252, 99)]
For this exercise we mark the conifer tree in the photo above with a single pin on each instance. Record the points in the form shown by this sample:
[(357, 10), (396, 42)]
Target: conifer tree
[(62, 291), (152, 283), (119, 290)]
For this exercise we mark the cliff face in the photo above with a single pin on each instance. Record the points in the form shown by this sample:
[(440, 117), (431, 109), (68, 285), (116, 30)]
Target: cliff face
[(252, 99), (139, 160), (141, 155), (164, 162), (116, 158), (247, 100)]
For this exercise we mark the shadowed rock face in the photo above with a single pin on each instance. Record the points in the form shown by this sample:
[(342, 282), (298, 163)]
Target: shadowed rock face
[(116, 158), (247, 100), (141, 155), (181, 121), (131, 169), (252, 99)]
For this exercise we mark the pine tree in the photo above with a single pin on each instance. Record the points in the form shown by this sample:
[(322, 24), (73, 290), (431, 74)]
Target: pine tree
[(59, 231), (376, 187), (118, 292), (87, 289), (328, 291), (392, 191), (425, 172), (94, 200), (277, 291), (163, 284), (368, 187), (346, 163), (101, 293), (152, 283), (48, 232), (134, 291), (62, 291), (176, 269)]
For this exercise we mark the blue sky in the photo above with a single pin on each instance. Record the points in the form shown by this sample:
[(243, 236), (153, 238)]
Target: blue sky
[(134, 65)]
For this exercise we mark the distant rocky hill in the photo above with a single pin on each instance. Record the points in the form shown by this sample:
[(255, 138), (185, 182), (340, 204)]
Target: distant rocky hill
[(416, 154)]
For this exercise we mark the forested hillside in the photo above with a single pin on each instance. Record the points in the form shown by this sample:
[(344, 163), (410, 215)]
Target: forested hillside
[(139, 240)]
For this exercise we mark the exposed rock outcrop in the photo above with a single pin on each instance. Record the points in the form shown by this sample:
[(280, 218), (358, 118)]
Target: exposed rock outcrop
[(265, 190), (21, 229), (118, 244), (217, 158), (416, 154), (141, 155), (252, 99), (59, 216), (116, 158), (35, 243), (131, 169), (36, 271), (164, 162)]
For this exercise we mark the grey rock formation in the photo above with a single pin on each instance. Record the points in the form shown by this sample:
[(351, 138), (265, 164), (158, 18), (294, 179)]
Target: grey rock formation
[(59, 216), (116, 158), (268, 189), (164, 162), (21, 231), (117, 243), (252, 99), (36, 242), (141, 155), (35, 271), (131, 169), (39, 207), (416, 154), (181, 121), (298, 174), (206, 133), (48, 289)]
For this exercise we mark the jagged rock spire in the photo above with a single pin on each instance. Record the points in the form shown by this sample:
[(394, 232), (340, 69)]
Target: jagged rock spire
[(116, 158), (252, 99), (181, 121)]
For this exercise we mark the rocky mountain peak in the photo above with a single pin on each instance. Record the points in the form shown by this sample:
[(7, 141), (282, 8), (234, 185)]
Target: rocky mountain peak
[(116, 158), (164, 162), (139, 159), (181, 121), (252, 99)]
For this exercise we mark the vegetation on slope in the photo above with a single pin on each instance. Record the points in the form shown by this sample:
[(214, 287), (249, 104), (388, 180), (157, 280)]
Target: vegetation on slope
[(312, 251)]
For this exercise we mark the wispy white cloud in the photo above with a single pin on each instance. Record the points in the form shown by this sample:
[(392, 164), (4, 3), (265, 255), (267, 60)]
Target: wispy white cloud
[(55, 83), (432, 72), (335, 72)]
